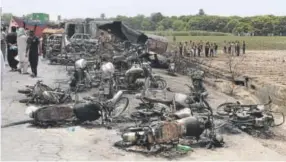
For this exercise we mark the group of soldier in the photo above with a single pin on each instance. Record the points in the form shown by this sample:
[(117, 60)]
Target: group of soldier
[(209, 49)]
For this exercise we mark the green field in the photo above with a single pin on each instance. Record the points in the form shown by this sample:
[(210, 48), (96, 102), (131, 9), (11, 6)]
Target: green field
[(252, 43)]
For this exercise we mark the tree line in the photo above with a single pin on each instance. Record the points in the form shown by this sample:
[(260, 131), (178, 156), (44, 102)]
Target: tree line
[(254, 25)]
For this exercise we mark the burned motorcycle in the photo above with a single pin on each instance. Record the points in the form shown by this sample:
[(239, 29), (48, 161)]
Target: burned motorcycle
[(106, 87), (153, 137), (80, 80), (78, 113), (138, 77), (152, 108), (43, 94), (249, 117)]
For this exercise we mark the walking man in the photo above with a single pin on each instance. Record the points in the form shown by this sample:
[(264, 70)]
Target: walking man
[(33, 50), (22, 46), (11, 40)]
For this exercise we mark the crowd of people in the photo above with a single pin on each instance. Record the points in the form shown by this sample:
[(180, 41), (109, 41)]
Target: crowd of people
[(209, 49), (20, 48)]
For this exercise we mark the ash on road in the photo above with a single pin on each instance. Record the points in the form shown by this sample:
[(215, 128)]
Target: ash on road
[(24, 142)]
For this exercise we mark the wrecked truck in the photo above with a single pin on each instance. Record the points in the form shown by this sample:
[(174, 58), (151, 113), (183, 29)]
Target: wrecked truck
[(155, 45)]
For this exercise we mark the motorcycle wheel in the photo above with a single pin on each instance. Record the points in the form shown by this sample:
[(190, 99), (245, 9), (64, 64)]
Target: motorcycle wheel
[(24, 91), (120, 107), (224, 109), (161, 84)]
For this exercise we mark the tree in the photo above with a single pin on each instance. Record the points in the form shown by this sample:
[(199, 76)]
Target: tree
[(6, 17), (260, 25), (156, 17), (201, 12), (146, 25), (178, 25), (102, 16), (231, 25), (166, 23)]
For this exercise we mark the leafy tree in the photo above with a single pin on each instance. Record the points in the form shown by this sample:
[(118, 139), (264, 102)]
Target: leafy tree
[(178, 25), (259, 25), (6, 17), (156, 17), (201, 12)]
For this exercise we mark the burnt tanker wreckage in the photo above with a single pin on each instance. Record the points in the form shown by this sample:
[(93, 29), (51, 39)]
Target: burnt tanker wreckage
[(160, 125)]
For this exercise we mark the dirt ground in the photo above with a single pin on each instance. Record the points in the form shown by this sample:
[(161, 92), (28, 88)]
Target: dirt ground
[(268, 66), (24, 142)]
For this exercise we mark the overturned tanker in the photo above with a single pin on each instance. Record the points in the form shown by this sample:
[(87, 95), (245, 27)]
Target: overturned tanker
[(154, 43)]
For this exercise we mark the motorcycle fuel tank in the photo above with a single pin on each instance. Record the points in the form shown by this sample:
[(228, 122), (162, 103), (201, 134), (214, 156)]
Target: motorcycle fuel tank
[(134, 70), (181, 99), (194, 128)]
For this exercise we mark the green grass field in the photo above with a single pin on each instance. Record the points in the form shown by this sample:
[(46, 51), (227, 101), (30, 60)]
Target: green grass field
[(252, 43)]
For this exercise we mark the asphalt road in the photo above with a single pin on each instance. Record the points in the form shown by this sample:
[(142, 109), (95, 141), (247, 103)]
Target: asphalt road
[(24, 142)]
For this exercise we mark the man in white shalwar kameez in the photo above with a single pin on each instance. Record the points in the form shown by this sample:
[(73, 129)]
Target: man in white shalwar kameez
[(22, 45)]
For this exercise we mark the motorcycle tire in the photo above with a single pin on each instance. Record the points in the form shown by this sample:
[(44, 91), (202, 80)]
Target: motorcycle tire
[(117, 111), (161, 84), (24, 91), (220, 110), (53, 113)]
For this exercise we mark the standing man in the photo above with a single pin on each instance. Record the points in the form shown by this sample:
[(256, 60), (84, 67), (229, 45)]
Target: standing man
[(207, 48), (238, 48), (243, 47), (174, 39), (11, 40), (33, 50), (102, 40), (22, 46), (215, 49), (232, 48), (224, 47), (211, 50), (181, 49), (185, 48)]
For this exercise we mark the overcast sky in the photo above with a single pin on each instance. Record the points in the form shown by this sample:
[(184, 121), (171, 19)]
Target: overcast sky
[(111, 8)]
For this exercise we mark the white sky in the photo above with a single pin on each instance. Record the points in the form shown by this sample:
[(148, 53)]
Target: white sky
[(111, 8)]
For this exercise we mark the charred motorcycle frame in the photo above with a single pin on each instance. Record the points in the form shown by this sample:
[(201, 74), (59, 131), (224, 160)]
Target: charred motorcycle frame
[(249, 117)]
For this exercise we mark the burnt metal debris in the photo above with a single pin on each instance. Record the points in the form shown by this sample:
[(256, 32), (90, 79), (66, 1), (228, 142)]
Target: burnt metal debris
[(121, 62)]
